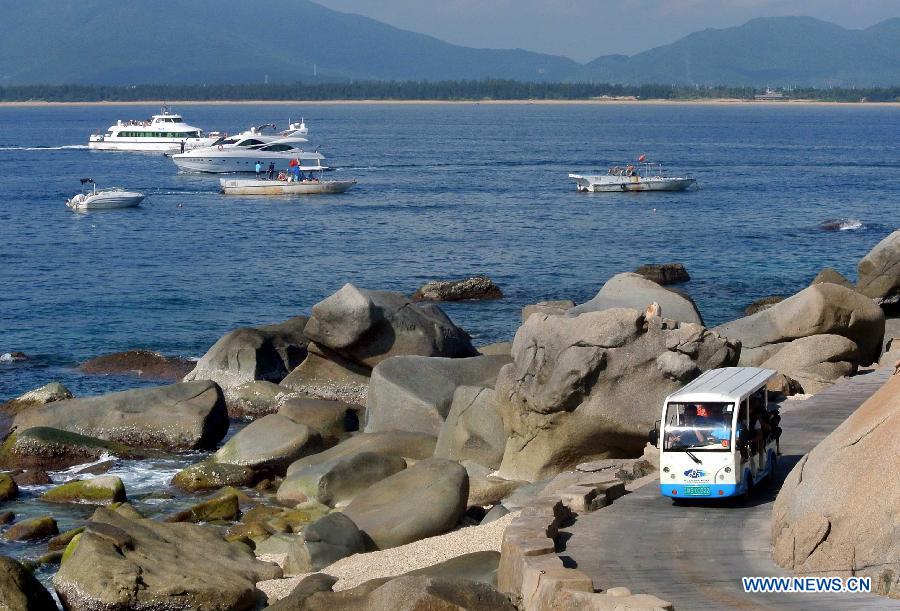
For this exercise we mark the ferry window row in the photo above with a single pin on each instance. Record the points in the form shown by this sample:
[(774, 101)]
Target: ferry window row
[(157, 134)]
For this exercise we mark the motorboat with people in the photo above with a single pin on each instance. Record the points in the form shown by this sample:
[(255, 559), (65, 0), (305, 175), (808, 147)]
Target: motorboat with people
[(103, 199), (297, 180), (642, 176), (165, 132), (222, 159)]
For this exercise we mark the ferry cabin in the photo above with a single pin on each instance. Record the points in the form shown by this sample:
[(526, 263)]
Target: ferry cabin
[(163, 132), (715, 436)]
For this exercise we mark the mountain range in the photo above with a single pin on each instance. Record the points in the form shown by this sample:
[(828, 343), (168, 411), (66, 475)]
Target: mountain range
[(114, 42)]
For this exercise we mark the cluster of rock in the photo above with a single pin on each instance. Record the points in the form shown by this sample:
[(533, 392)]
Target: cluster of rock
[(817, 530), (375, 423)]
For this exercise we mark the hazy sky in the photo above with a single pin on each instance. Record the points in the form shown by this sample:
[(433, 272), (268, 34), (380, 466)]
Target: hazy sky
[(584, 29)]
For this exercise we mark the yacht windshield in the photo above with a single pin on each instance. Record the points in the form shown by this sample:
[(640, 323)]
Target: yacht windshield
[(698, 426)]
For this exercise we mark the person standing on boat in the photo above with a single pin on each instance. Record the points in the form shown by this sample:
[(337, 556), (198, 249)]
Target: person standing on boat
[(182, 145), (258, 169), (271, 170), (297, 173)]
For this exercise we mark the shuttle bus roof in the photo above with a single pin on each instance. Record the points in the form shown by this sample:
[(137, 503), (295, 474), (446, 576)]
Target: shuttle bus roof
[(726, 384)]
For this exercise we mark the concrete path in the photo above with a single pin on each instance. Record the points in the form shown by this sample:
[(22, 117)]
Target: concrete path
[(694, 556)]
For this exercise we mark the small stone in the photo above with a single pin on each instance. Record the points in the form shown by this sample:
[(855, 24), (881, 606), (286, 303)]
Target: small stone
[(8, 488), (664, 273), (477, 287), (225, 507), (101, 490), (32, 529), (209, 475)]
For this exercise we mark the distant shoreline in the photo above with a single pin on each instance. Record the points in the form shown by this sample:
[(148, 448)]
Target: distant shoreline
[(582, 102)]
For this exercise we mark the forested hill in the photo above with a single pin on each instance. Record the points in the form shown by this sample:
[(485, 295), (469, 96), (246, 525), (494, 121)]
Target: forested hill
[(173, 42), (782, 51), (232, 41)]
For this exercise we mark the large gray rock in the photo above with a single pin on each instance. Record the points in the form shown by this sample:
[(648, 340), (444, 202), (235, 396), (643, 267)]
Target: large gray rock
[(366, 327), (832, 276), (255, 399), (816, 531), (404, 593), (815, 362), (268, 353), (416, 446), (324, 542), (422, 501), (139, 363), (272, 442), (559, 307), (590, 386), (325, 374), (20, 591), (142, 564), (183, 416), (332, 420), (53, 449), (476, 566), (817, 310), (636, 292), (473, 429), (879, 270), (414, 393), (339, 480)]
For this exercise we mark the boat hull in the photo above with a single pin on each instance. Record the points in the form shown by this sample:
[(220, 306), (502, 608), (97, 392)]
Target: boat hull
[(139, 145), (106, 201), (213, 164), (619, 184), (277, 187)]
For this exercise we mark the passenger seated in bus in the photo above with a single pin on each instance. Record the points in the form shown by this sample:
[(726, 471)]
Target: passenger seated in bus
[(759, 427)]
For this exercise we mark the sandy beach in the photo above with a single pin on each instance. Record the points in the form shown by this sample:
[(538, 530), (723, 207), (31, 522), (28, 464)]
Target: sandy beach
[(593, 101)]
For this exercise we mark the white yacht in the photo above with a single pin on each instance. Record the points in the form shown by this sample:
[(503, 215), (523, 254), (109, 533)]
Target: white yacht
[(260, 134), (164, 132), (645, 177), (243, 157), (103, 199)]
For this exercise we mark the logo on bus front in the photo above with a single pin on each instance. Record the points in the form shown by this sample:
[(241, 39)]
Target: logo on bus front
[(694, 473)]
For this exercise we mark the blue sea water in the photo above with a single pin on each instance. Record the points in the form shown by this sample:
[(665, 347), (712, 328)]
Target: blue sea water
[(444, 191)]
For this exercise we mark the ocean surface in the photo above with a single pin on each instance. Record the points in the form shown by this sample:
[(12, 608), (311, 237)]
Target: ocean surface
[(445, 191)]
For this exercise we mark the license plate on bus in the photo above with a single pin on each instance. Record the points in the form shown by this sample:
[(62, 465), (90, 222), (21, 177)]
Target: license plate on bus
[(696, 490)]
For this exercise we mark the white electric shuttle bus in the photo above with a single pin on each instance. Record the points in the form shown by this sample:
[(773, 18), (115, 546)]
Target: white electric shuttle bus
[(717, 437)]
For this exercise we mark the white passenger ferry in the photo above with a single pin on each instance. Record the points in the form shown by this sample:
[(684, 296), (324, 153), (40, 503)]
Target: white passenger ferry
[(165, 132)]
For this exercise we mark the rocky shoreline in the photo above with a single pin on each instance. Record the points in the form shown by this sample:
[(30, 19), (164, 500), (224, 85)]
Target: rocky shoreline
[(374, 424)]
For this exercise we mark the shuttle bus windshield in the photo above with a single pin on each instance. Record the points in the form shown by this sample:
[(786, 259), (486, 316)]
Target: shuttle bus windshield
[(698, 426)]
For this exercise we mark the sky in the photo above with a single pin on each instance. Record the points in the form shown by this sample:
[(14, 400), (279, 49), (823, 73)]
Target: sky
[(585, 29)]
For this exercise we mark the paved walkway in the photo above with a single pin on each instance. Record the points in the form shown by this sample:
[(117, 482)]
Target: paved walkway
[(694, 556)]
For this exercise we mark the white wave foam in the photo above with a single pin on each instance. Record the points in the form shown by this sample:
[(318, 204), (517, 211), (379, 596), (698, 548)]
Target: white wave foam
[(44, 148), (73, 472), (841, 224)]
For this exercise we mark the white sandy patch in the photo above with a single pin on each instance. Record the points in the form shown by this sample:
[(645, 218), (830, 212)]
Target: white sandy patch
[(360, 568)]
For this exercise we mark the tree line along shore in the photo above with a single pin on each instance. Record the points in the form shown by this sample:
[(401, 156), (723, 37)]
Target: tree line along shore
[(490, 89)]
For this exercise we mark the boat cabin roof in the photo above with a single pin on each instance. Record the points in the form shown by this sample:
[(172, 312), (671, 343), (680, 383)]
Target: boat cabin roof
[(728, 384)]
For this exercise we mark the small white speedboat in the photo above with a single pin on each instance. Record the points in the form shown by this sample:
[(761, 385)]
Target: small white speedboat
[(646, 177), (282, 187), (103, 199)]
